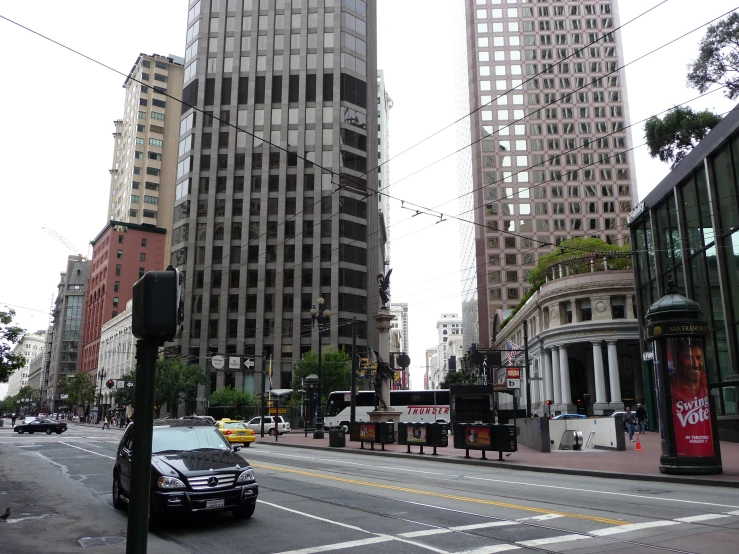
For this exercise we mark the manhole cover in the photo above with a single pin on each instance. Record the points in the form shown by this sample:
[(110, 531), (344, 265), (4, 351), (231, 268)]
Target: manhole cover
[(87, 542)]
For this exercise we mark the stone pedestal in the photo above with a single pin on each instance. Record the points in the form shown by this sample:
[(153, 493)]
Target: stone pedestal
[(386, 415), (382, 320)]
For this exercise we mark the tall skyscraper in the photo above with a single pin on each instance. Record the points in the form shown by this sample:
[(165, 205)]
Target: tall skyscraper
[(384, 105), (272, 207), (549, 158), (142, 177)]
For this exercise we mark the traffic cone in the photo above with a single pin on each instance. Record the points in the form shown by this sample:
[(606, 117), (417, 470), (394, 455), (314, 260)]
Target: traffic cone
[(638, 444)]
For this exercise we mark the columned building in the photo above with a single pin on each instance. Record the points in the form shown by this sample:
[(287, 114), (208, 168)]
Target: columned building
[(29, 347), (275, 202), (117, 352), (583, 343), (686, 230), (550, 141)]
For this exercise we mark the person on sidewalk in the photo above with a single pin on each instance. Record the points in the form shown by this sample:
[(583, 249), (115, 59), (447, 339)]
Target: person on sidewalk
[(641, 418), (106, 422), (12, 419), (630, 420)]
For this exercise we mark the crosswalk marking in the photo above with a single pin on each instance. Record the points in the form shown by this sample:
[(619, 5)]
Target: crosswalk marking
[(703, 517), (607, 531), (553, 540), (338, 546), (444, 530), (540, 518), (492, 549)]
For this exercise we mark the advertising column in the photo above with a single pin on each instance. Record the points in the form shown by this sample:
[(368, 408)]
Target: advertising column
[(676, 328)]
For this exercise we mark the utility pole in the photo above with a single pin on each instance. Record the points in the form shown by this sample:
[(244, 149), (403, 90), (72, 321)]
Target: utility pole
[(353, 411)]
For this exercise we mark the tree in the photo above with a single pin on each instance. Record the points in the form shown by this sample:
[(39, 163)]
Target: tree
[(458, 378), (672, 138), (335, 370), (718, 59), (79, 389), (9, 335), (176, 382)]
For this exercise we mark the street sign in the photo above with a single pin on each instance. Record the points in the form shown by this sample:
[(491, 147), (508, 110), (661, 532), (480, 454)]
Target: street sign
[(63, 396), (514, 383), (120, 383), (249, 363), (217, 362), (234, 362), (129, 384), (347, 397)]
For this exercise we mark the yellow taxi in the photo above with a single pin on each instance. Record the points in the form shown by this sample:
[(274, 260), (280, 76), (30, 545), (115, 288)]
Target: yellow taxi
[(236, 432)]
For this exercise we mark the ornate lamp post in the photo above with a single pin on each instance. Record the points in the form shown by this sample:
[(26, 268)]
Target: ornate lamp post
[(320, 315), (101, 375)]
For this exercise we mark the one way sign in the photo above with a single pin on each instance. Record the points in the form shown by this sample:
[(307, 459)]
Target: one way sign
[(249, 363)]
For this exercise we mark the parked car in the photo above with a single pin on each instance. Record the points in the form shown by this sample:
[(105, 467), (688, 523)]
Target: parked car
[(193, 469), (236, 432), (571, 416), (41, 425), (207, 418), (255, 424)]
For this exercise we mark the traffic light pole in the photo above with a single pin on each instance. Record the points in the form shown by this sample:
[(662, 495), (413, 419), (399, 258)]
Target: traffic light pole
[(138, 514)]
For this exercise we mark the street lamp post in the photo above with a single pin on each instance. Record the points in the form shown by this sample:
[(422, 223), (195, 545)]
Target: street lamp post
[(320, 315), (100, 393)]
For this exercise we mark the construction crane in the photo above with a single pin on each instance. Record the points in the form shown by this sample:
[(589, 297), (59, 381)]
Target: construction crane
[(64, 241)]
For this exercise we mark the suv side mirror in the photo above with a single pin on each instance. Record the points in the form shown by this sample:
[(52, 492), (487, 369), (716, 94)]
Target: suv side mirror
[(236, 447)]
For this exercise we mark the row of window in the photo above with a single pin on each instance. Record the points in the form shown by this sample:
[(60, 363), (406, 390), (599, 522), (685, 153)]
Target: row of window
[(133, 212), (541, 225), (556, 208), (590, 191)]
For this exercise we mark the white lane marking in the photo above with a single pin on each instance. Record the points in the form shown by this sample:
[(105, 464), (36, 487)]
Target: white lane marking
[(353, 527), (734, 513), (491, 549), (444, 530), (338, 546), (17, 519), (446, 475), (631, 527), (541, 517), (425, 533), (85, 450), (703, 517), (552, 540)]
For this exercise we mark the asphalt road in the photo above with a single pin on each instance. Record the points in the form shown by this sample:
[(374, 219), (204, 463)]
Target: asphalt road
[(58, 489)]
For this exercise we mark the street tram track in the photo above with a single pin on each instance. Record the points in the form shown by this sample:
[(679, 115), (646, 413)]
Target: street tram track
[(443, 485), (472, 533)]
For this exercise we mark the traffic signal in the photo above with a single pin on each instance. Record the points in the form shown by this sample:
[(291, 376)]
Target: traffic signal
[(549, 402), (158, 307)]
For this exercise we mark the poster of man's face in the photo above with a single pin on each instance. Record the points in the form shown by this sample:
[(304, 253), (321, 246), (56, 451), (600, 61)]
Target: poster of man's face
[(686, 364)]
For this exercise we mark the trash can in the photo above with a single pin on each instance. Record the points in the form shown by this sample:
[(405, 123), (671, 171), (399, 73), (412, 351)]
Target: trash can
[(336, 437)]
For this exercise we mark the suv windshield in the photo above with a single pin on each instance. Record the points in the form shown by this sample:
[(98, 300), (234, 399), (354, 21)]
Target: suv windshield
[(187, 438)]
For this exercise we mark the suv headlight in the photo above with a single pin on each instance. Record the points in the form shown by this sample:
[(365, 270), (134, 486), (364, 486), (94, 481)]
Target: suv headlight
[(170, 483), (246, 476)]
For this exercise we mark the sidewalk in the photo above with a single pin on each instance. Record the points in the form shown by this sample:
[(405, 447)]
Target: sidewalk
[(626, 464)]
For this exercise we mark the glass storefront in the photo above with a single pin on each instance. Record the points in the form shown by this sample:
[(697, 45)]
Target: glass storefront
[(690, 236)]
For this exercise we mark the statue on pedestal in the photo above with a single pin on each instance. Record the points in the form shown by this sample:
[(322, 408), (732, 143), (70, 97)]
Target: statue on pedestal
[(383, 281)]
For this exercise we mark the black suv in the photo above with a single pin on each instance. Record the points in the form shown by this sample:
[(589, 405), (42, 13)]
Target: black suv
[(193, 469)]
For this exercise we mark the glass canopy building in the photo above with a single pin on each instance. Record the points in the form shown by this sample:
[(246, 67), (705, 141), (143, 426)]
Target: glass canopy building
[(687, 230)]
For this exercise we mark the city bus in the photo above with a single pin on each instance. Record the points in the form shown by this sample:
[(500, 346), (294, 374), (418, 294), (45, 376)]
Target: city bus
[(415, 405)]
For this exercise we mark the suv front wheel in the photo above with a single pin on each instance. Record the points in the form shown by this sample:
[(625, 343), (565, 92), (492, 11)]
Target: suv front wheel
[(118, 503)]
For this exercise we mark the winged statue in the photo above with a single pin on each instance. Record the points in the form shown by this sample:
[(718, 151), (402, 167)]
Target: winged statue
[(383, 282)]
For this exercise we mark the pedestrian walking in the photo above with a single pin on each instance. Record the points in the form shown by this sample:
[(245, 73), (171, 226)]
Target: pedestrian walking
[(630, 420), (12, 419), (641, 418), (105, 422)]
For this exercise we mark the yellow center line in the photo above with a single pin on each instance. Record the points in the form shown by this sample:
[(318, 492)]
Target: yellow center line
[(441, 495)]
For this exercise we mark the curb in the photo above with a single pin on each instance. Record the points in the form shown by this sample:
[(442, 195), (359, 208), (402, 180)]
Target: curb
[(535, 469)]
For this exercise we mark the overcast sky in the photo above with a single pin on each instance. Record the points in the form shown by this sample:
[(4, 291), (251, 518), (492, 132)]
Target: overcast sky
[(56, 148)]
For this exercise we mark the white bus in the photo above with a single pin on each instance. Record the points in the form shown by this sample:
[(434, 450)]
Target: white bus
[(415, 405)]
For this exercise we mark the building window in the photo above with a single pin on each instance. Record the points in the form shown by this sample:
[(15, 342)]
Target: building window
[(118, 269), (119, 254), (142, 257), (143, 242), (117, 286), (618, 307), (141, 272), (120, 239), (586, 313), (115, 301)]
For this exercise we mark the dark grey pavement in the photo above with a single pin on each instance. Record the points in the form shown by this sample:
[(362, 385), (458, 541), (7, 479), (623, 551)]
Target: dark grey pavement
[(320, 501)]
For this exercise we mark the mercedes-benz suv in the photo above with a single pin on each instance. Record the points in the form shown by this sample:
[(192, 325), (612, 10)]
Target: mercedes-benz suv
[(193, 469)]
